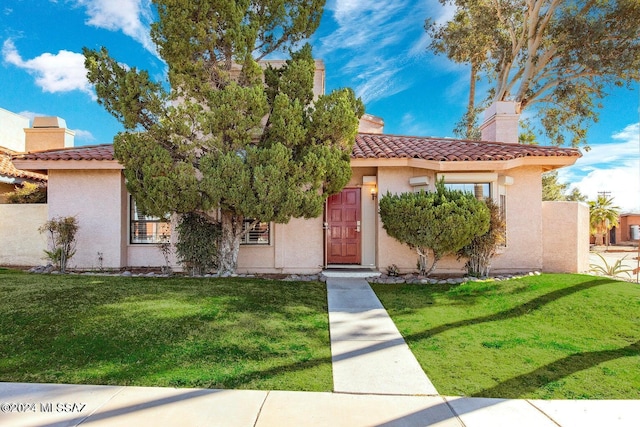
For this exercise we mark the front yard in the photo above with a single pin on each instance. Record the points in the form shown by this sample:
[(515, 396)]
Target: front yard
[(542, 337), (178, 332)]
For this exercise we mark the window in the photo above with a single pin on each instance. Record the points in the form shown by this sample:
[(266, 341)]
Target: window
[(147, 229), (258, 234), (482, 190)]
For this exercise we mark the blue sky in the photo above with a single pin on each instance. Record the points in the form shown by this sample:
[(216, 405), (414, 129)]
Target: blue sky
[(376, 47)]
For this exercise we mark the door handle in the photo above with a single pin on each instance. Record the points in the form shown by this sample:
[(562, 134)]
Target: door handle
[(357, 226)]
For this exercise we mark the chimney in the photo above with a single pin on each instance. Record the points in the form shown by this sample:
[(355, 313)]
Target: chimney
[(48, 133), (501, 122), (370, 124)]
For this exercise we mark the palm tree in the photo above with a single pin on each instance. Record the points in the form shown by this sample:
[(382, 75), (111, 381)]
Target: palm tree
[(603, 217)]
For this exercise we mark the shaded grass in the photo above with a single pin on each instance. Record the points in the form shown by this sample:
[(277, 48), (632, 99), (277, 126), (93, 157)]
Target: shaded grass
[(547, 337), (181, 332)]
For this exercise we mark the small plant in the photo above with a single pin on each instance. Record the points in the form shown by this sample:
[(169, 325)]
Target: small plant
[(100, 262), (165, 249), (611, 270), (62, 240), (393, 270)]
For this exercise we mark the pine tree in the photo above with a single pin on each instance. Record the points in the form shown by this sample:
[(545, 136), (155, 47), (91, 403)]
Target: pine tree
[(230, 140)]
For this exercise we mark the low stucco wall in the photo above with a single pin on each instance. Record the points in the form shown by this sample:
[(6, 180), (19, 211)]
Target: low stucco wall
[(565, 237), (21, 244)]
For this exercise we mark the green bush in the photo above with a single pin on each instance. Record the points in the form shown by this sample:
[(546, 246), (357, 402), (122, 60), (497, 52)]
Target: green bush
[(197, 245), (437, 223), (28, 192), (482, 248)]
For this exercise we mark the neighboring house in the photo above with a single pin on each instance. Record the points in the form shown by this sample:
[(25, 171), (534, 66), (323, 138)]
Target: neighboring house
[(10, 177), (12, 141), (627, 230)]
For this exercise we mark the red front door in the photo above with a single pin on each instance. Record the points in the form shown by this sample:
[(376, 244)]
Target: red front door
[(343, 235)]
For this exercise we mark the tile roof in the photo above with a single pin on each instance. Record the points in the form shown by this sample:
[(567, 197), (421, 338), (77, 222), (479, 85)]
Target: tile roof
[(373, 146), (381, 146), (8, 169), (89, 152)]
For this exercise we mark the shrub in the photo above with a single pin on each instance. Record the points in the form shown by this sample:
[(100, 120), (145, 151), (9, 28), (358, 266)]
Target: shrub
[(28, 192), (439, 222), (482, 248), (62, 240), (197, 245)]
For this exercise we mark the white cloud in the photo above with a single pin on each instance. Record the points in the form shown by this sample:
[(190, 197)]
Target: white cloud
[(377, 40), (612, 167), (132, 17), (61, 72), (84, 135)]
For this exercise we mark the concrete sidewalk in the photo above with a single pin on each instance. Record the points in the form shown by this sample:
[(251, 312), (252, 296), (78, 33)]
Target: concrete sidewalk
[(31, 405)]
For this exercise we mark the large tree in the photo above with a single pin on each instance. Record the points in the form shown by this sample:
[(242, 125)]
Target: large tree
[(226, 137), (557, 57)]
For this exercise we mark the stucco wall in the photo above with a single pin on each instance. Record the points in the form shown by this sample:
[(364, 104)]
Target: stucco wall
[(296, 247), (94, 197), (566, 237), (21, 244), (523, 251)]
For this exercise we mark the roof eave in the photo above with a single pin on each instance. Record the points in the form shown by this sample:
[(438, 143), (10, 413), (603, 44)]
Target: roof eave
[(545, 162), (26, 164)]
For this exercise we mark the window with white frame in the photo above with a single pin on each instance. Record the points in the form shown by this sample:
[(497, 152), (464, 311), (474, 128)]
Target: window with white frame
[(256, 233), (146, 229)]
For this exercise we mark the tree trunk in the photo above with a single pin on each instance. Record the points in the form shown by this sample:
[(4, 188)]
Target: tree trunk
[(471, 104), (229, 242)]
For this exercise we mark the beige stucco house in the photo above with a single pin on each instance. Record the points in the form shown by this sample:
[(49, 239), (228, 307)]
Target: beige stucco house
[(87, 182)]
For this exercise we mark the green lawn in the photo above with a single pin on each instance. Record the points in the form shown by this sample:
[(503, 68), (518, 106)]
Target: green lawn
[(550, 336), (181, 332)]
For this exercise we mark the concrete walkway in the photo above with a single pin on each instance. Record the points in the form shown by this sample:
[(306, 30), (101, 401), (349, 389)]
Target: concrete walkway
[(369, 355), (377, 383)]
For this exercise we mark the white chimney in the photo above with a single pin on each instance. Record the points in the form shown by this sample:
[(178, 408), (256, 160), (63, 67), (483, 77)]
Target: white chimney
[(501, 121)]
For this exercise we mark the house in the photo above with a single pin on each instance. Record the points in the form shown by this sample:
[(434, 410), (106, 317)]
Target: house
[(12, 141), (627, 230), (88, 183)]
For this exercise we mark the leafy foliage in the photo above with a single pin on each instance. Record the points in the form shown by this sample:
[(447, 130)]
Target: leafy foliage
[(229, 140), (197, 246), (552, 190), (62, 240), (437, 223), (483, 247), (557, 57), (28, 192)]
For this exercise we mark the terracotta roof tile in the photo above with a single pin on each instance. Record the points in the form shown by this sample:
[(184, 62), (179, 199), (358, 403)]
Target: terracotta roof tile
[(373, 146), (8, 169), (89, 152), (381, 146)]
